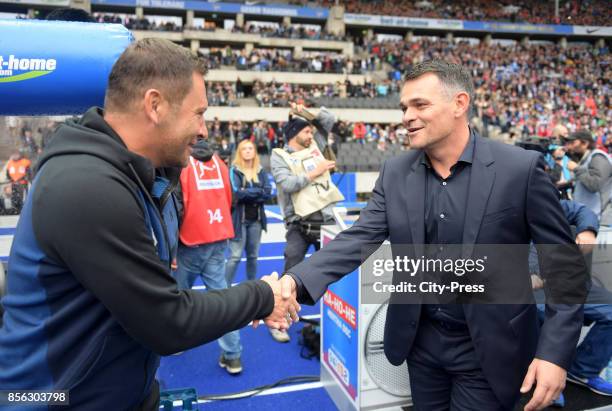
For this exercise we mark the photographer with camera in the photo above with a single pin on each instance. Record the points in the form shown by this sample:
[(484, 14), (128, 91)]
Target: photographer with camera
[(306, 193), (592, 170)]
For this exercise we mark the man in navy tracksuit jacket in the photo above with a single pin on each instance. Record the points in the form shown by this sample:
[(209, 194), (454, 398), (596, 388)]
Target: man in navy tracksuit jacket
[(91, 304)]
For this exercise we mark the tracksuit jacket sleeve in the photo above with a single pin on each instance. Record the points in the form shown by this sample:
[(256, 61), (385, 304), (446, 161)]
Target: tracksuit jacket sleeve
[(96, 227)]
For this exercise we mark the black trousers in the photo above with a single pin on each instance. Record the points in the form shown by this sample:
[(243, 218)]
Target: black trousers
[(445, 373), (298, 241)]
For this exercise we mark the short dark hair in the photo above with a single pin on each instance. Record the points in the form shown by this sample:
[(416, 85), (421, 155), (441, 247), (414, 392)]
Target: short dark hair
[(454, 77), (151, 63)]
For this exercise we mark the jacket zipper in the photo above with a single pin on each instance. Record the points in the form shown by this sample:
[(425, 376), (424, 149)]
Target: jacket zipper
[(161, 219), (167, 192)]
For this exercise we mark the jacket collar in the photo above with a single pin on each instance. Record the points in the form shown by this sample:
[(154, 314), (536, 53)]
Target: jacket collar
[(482, 177)]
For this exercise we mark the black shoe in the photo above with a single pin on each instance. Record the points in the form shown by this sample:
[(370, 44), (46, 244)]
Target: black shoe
[(233, 366)]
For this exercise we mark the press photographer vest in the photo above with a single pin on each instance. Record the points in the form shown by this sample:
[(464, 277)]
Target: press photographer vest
[(596, 201), (321, 191)]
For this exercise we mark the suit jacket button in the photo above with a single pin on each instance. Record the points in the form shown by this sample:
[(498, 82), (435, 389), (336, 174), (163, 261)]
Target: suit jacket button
[(413, 323)]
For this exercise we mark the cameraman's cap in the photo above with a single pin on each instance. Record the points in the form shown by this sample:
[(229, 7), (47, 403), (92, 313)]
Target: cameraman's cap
[(584, 135), (293, 127)]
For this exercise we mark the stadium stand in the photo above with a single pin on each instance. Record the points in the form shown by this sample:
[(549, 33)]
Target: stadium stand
[(524, 86)]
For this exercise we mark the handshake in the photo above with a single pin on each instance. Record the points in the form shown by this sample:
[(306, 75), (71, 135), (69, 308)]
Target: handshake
[(286, 307)]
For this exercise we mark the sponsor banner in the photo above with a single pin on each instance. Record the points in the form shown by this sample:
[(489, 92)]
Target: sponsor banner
[(226, 8), (341, 307), (340, 371), (398, 21), (280, 10), (503, 27), (54, 67), (207, 176), (62, 3), (339, 327), (340, 339), (595, 31), (459, 25), (161, 4), (126, 3)]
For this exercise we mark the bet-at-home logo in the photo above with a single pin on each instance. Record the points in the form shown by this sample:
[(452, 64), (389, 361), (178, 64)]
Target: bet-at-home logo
[(18, 69)]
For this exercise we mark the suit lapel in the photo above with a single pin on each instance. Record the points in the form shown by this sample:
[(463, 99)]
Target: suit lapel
[(416, 201), (482, 177)]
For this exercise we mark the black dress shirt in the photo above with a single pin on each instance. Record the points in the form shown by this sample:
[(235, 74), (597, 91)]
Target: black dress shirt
[(445, 204)]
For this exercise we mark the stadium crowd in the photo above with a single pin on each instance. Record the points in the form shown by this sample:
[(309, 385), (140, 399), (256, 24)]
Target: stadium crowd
[(221, 94), (309, 32), (275, 94), (285, 60), (532, 87), (571, 12), (290, 32), (526, 89), (134, 23), (522, 90)]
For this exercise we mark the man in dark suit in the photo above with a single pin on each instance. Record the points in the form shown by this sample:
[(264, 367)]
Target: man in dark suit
[(455, 187)]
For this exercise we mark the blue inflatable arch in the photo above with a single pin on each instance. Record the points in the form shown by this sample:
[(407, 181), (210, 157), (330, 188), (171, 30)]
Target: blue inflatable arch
[(56, 67)]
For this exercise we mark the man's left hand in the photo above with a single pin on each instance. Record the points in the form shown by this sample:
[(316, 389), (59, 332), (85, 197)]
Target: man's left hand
[(550, 382)]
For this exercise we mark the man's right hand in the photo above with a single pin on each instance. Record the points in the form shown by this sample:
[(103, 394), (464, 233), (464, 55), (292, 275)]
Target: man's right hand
[(288, 287), (321, 168), (286, 307)]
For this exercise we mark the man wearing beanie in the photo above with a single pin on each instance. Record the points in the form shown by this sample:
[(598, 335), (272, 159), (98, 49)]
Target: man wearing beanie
[(302, 232)]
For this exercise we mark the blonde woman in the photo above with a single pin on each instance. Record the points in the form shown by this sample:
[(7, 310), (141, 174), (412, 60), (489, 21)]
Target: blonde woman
[(251, 188)]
